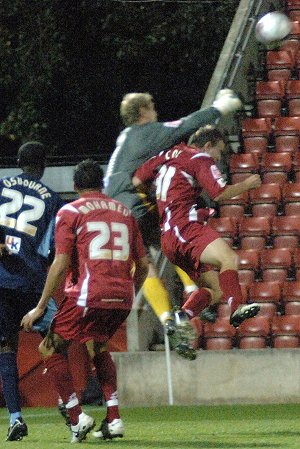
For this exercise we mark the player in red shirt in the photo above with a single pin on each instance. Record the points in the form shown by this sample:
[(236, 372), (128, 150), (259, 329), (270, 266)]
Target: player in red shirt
[(99, 239), (181, 174)]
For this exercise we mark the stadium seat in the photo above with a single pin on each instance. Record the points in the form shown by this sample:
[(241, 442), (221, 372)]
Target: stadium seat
[(254, 333), (254, 232), (232, 210), (256, 127), (287, 134), (219, 335), (292, 45), (291, 297), (256, 145), (295, 31), (293, 97), (249, 263), (285, 231), (269, 98), (285, 331), (268, 295), (243, 163), (291, 198), (276, 163), (279, 65), (265, 200), (276, 264), (226, 226), (294, 14), (296, 261), (296, 167)]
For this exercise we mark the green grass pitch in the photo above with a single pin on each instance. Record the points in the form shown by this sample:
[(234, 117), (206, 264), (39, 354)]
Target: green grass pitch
[(174, 427)]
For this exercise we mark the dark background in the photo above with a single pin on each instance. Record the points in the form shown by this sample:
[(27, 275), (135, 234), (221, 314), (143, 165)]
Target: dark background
[(65, 65)]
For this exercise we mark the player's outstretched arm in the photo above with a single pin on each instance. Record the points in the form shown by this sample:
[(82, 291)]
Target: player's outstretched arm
[(252, 182)]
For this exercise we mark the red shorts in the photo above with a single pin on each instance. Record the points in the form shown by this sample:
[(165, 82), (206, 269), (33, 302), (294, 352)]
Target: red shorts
[(82, 324), (186, 251)]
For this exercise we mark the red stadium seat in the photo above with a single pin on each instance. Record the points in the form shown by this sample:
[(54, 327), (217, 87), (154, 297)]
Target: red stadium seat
[(232, 210), (279, 65), (249, 265), (219, 335), (287, 134), (254, 232), (291, 297), (243, 163), (268, 295), (256, 127), (269, 98), (276, 264), (292, 45), (265, 200), (282, 225), (254, 333), (295, 31), (291, 198), (285, 331), (279, 163), (293, 97), (226, 226)]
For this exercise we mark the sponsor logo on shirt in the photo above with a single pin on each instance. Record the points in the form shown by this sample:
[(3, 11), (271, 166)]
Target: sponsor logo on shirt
[(13, 244)]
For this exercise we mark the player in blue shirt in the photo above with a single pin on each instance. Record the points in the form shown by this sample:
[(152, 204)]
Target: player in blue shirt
[(27, 217)]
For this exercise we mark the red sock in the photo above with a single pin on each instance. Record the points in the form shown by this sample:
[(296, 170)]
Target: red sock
[(198, 300), (107, 376), (58, 370), (229, 283)]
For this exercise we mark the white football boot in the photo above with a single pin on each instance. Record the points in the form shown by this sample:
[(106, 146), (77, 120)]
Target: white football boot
[(114, 429), (85, 424)]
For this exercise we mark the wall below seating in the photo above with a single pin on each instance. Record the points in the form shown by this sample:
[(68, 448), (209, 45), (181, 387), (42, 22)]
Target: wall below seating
[(215, 377)]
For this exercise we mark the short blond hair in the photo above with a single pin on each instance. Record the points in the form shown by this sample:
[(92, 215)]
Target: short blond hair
[(131, 104)]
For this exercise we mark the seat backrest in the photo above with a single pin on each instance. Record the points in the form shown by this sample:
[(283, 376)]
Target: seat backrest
[(255, 226), (266, 193), (291, 192), (272, 90), (285, 325), (287, 126), (285, 225), (256, 127), (265, 291), (249, 259), (293, 89), (245, 162), (277, 162), (279, 59), (276, 258), (257, 326), (291, 291), (226, 226)]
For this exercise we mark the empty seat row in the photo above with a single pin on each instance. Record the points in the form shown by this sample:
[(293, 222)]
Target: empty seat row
[(282, 331), (258, 232), (275, 98)]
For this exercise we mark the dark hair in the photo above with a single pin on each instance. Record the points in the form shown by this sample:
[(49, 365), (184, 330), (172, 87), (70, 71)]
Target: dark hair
[(32, 154), (88, 174), (206, 134)]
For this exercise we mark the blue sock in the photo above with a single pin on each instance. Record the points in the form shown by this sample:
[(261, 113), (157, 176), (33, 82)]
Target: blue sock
[(10, 381), (14, 416)]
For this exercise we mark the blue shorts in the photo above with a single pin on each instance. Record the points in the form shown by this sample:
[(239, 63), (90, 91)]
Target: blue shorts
[(14, 304)]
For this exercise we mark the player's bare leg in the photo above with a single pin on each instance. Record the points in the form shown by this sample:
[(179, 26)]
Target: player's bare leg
[(220, 254)]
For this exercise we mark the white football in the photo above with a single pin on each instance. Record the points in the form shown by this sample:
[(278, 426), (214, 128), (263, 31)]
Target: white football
[(272, 27)]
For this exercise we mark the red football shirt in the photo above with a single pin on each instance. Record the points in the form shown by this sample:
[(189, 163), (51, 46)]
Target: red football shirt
[(181, 173), (106, 240)]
